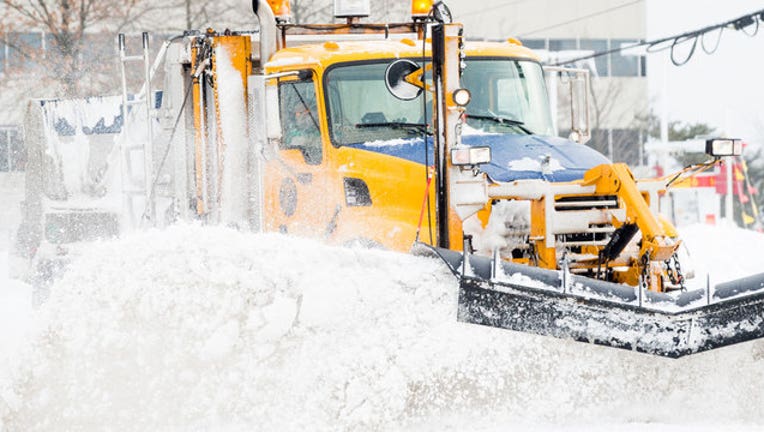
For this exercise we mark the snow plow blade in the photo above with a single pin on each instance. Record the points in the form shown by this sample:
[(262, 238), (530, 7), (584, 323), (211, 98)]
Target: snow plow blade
[(555, 303)]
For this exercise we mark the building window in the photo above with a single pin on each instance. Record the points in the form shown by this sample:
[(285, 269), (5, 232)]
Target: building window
[(12, 151), (600, 62), (623, 63), (619, 145), (563, 44), (617, 64), (535, 44)]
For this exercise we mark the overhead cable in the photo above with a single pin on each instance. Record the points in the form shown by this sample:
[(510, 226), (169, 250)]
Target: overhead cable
[(671, 42)]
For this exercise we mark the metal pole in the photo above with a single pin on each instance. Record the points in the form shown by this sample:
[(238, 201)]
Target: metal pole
[(466, 251), (728, 199), (441, 168), (495, 263), (124, 83), (9, 149), (148, 153), (553, 103), (127, 199)]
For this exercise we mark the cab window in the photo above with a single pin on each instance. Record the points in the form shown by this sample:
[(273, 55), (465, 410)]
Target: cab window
[(299, 119), (362, 109)]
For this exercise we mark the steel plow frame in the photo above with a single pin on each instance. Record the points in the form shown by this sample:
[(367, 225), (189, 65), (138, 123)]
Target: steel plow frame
[(558, 304)]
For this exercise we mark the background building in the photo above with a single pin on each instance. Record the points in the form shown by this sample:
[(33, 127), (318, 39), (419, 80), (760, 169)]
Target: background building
[(570, 29)]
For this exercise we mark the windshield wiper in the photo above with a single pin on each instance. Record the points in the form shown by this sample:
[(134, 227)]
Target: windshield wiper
[(418, 127), (502, 120)]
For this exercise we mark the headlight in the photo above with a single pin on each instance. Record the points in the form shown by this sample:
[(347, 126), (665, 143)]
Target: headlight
[(470, 155), (719, 147), (461, 97)]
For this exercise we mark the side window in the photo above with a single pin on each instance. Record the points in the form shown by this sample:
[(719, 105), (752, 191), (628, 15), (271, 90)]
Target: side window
[(299, 119)]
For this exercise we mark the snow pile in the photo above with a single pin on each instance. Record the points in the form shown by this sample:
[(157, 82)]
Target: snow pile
[(537, 165), (507, 228), (723, 253), (15, 316), (213, 329)]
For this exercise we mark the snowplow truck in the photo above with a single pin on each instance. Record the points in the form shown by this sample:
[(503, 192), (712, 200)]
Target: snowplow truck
[(407, 136)]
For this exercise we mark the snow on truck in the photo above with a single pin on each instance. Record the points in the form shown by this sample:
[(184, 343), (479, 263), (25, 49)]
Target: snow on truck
[(72, 183), (407, 136)]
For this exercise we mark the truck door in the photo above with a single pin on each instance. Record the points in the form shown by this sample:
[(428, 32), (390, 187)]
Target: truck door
[(296, 172)]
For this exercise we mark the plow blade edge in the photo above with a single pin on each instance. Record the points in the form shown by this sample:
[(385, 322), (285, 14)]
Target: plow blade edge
[(554, 303)]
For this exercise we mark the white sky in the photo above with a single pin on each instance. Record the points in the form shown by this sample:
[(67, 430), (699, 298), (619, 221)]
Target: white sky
[(725, 89)]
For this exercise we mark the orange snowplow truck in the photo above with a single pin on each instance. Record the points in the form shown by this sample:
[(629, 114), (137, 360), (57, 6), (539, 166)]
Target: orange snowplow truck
[(402, 134)]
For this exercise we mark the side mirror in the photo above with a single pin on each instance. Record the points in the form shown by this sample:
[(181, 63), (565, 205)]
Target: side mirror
[(579, 113), (396, 80), (578, 88), (720, 147)]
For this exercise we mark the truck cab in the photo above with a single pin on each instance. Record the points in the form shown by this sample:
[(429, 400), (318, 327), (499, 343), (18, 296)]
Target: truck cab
[(353, 133), (352, 161)]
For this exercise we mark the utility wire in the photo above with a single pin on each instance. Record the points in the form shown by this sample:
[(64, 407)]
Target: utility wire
[(602, 12), (692, 37)]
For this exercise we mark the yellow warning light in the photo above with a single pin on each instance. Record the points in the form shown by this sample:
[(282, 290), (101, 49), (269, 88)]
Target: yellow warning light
[(514, 41), (420, 8), (281, 9)]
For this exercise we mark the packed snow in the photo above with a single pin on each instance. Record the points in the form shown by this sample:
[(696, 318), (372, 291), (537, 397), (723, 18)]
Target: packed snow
[(209, 328), (528, 164)]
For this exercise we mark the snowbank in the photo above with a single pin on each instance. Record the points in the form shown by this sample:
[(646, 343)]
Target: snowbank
[(723, 253), (212, 329)]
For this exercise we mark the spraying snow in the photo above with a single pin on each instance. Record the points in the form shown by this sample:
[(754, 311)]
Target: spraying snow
[(233, 116), (214, 329)]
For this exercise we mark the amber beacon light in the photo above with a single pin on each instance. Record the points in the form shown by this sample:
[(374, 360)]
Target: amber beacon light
[(281, 9), (420, 8)]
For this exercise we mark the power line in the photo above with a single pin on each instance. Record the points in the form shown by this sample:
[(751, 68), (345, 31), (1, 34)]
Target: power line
[(671, 42), (602, 12)]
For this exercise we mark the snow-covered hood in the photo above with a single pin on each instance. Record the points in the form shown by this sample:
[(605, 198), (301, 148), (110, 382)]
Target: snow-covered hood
[(515, 157)]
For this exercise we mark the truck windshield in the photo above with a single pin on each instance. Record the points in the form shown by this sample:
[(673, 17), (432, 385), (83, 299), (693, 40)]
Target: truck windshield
[(361, 109), (508, 96)]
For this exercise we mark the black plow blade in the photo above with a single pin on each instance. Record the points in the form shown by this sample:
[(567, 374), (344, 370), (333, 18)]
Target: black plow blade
[(555, 303)]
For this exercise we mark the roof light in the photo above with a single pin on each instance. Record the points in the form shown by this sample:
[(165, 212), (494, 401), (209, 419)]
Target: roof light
[(281, 10), (351, 8), (420, 8), (514, 41)]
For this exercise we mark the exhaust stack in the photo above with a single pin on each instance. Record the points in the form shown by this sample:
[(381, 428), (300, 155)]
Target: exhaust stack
[(268, 31)]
